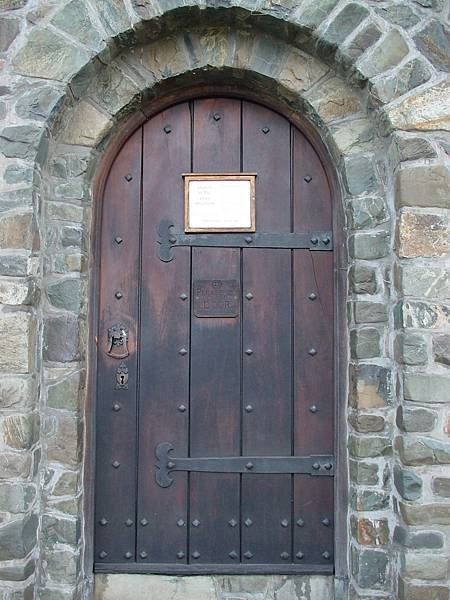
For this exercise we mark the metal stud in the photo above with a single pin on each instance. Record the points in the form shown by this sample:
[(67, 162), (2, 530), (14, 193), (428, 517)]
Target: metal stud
[(128, 176), (249, 466), (103, 522), (307, 178), (196, 554), (248, 555), (284, 523), (326, 555), (248, 522), (313, 408), (326, 522), (249, 408), (118, 295), (182, 351), (326, 240), (284, 555), (182, 408), (167, 128), (128, 555), (195, 523), (299, 555), (249, 296), (312, 296), (172, 240), (183, 296), (328, 466), (116, 464), (233, 555), (103, 554), (128, 522), (217, 116), (144, 522), (312, 351), (180, 523), (116, 407), (300, 522), (180, 554), (249, 239), (118, 240), (316, 466), (143, 554), (232, 522), (249, 352), (314, 240), (170, 464), (265, 130)]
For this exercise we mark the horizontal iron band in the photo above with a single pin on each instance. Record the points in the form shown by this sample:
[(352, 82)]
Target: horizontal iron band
[(317, 465)]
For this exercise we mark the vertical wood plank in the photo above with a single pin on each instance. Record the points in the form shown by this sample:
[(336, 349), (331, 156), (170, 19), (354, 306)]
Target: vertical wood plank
[(116, 408), (164, 368)]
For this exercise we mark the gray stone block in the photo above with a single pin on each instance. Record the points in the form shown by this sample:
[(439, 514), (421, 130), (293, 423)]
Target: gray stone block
[(421, 315), (423, 186), (363, 279), (365, 343), (370, 312), (367, 423), (413, 420), (61, 339), (371, 569), (371, 386), (434, 41), (441, 349), (441, 486), (411, 349), (369, 447), (364, 473), (18, 538), (369, 246), (408, 483), (423, 388), (20, 141), (366, 213)]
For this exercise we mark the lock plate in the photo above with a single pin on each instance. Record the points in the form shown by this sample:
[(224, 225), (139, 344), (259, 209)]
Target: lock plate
[(122, 377)]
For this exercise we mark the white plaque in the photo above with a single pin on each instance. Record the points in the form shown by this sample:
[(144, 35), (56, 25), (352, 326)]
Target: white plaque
[(224, 202)]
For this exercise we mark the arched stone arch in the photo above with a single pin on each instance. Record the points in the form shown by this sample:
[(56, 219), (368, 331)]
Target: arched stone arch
[(94, 83)]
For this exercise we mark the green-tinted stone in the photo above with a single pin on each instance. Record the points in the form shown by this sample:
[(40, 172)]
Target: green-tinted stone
[(370, 386), (434, 42), (20, 141), (421, 315), (372, 569), (441, 349), (370, 312), (66, 294), (411, 148), (16, 497), (315, 13), (418, 387), (413, 420), (411, 349), (344, 23), (363, 473), (423, 281), (425, 514), (362, 500), (441, 486), (390, 51), (365, 343), (362, 41), (369, 246), (363, 279), (367, 423), (369, 447), (360, 176), (74, 19), (9, 28), (18, 537), (408, 483), (40, 103), (60, 530), (18, 174), (66, 484), (65, 393), (399, 14), (414, 73), (419, 540), (367, 212)]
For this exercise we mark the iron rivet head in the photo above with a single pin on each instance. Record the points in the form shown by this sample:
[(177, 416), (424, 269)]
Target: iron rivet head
[(248, 555), (144, 522), (232, 522), (116, 407), (196, 554), (313, 408), (316, 466), (312, 296), (118, 295), (326, 240), (284, 555), (312, 352), (128, 522), (195, 523), (217, 117), (170, 464), (180, 554), (249, 296), (314, 240), (103, 522), (183, 296), (143, 554), (249, 408), (328, 466), (103, 554), (248, 522), (249, 351), (172, 240), (265, 130), (300, 522), (182, 351), (180, 523), (167, 128), (248, 239), (182, 408), (326, 555), (116, 464), (128, 176), (249, 466), (326, 522), (118, 240), (299, 555), (233, 555), (128, 555), (307, 178), (284, 523)]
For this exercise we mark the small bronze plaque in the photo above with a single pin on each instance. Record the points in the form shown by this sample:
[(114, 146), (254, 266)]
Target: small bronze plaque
[(216, 298)]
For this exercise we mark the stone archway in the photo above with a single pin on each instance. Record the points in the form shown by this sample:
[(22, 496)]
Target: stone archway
[(64, 128)]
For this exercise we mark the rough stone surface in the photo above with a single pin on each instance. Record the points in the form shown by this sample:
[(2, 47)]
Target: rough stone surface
[(371, 569), (17, 333), (421, 315), (370, 312), (388, 53), (364, 473), (424, 566), (412, 420), (418, 540), (367, 447), (74, 19), (423, 451), (20, 141), (333, 100), (369, 246), (363, 279), (65, 294), (88, 128), (365, 343), (368, 500), (408, 484), (434, 42), (441, 349), (367, 423), (9, 28), (370, 386), (413, 591), (423, 186), (61, 339), (63, 440), (441, 486), (371, 532), (362, 41), (411, 75), (366, 213), (17, 538), (360, 174), (65, 393), (399, 14), (426, 514), (433, 389), (411, 148), (411, 349), (426, 282)]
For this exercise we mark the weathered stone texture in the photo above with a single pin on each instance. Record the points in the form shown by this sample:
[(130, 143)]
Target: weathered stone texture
[(61, 338), (434, 42), (413, 420), (423, 186), (441, 349), (423, 281), (367, 212), (63, 440), (17, 538), (424, 566), (426, 514), (426, 388), (371, 532), (17, 333), (389, 52), (370, 386), (413, 591), (411, 349), (441, 486), (363, 279), (421, 234), (9, 28), (423, 451), (421, 315), (369, 246)]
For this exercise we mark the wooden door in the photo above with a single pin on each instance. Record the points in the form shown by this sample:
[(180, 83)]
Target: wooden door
[(215, 441)]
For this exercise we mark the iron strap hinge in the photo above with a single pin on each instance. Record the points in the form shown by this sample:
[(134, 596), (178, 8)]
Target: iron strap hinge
[(310, 465), (311, 240)]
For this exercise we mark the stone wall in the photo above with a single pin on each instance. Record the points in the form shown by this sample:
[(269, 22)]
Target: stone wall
[(372, 77)]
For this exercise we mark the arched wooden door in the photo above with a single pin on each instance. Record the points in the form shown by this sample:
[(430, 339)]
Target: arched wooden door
[(252, 390)]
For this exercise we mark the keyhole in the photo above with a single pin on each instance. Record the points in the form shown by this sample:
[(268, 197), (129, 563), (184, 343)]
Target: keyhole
[(122, 379)]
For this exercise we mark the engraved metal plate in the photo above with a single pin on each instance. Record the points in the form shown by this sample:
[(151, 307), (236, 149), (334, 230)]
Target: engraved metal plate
[(216, 298)]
